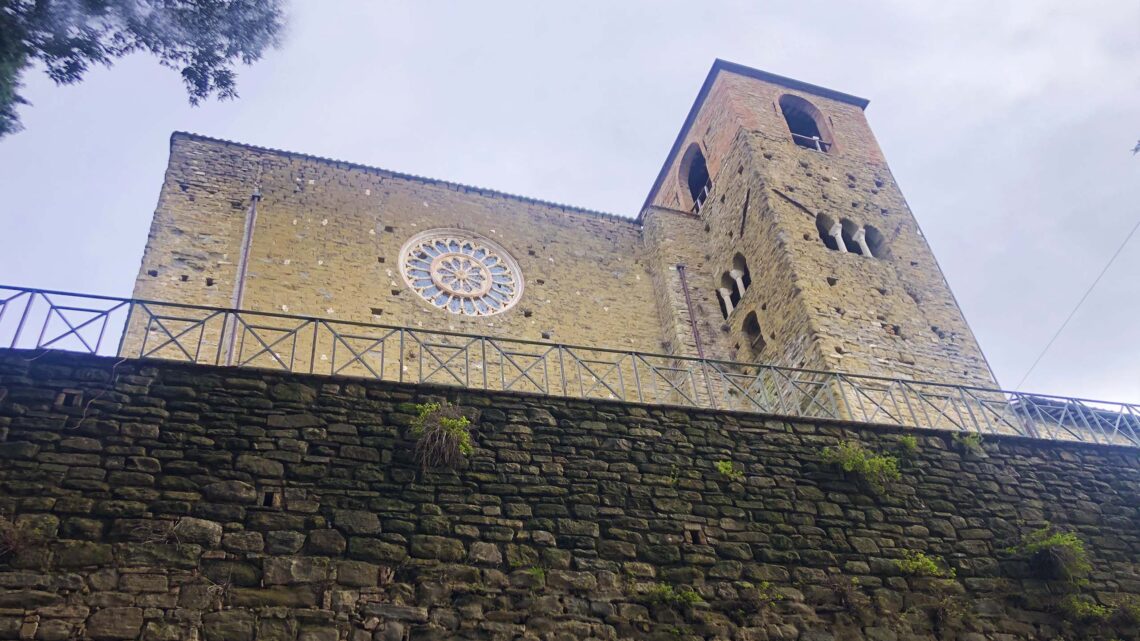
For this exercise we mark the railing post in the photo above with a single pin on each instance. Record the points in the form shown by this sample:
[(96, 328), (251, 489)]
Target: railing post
[(562, 370), (126, 329), (313, 350), (848, 414), (634, 358), (400, 362), (483, 358), (23, 319), (708, 384), (222, 338)]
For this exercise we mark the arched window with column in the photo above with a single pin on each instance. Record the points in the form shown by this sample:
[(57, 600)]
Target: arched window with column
[(740, 264), (806, 123), (727, 294), (828, 231), (875, 241), (851, 235)]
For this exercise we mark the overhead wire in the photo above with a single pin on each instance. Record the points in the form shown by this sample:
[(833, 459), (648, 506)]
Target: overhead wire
[(1078, 305)]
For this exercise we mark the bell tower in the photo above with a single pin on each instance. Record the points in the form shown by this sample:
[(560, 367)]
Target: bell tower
[(779, 236)]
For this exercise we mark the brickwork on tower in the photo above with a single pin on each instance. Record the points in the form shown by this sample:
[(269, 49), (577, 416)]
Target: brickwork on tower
[(887, 314)]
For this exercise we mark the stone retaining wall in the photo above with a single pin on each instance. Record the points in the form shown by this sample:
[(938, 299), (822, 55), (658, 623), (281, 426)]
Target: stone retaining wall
[(160, 501)]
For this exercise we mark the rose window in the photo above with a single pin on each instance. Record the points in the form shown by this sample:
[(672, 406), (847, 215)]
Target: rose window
[(461, 272)]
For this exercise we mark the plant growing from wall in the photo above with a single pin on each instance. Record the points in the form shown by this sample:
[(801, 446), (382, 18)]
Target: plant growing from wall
[(877, 470), (1126, 614), (26, 540), (729, 470), (969, 443), (443, 437), (908, 445), (13, 538), (1055, 555), (919, 564), (667, 595), (847, 592), (1080, 608)]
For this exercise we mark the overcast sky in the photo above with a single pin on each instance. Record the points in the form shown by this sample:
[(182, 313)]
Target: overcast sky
[(1007, 124)]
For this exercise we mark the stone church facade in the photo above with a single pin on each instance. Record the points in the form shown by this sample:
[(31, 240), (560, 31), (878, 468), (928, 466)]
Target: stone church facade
[(774, 233)]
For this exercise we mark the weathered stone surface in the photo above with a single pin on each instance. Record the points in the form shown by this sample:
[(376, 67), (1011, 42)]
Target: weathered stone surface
[(290, 570), (231, 492), (293, 392), (228, 625), (396, 612), (115, 623), (357, 573), (293, 420), (357, 522), (375, 550), (260, 466), (243, 542), (28, 599), (325, 543), (201, 531), (82, 553), (485, 554), (437, 547)]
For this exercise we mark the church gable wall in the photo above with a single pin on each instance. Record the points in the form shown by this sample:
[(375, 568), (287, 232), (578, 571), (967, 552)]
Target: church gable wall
[(327, 239)]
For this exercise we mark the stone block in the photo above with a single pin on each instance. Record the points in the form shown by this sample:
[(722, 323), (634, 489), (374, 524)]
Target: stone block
[(115, 623), (231, 492), (200, 531), (71, 554), (243, 542), (284, 542), (366, 549), (325, 543), (437, 547), (293, 421), (358, 574), (293, 570), (260, 466), (296, 596), (228, 625), (357, 522), (484, 553)]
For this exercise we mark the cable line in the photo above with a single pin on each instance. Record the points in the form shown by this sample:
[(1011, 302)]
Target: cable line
[(1078, 306)]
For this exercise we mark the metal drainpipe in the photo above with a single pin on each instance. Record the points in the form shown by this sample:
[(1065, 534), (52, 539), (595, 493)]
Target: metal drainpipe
[(243, 265), (692, 318)]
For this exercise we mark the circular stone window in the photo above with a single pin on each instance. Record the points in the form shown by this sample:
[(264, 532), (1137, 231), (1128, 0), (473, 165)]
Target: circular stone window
[(461, 272)]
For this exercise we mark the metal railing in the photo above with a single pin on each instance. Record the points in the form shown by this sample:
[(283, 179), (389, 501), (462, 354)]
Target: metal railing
[(36, 319), (702, 196), (811, 142)]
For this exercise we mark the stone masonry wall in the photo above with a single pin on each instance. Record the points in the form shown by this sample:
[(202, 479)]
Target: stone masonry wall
[(160, 501)]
